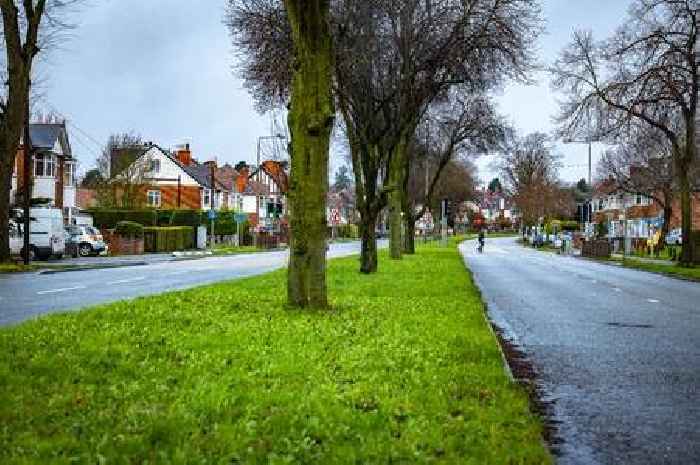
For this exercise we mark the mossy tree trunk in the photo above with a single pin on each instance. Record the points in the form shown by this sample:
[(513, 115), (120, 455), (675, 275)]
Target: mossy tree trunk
[(409, 240), (311, 117), (368, 257), (397, 173)]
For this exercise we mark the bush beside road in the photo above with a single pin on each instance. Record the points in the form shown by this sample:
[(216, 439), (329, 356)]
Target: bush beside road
[(404, 369)]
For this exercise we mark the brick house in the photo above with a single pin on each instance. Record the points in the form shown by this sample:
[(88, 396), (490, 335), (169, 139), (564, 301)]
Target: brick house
[(642, 212), (172, 180), (53, 170), (263, 193)]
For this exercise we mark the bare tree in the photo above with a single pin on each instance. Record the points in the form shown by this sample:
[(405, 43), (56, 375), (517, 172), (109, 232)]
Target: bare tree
[(451, 134), (392, 60), (646, 73), (28, 27), (529, 167), (642, 163)]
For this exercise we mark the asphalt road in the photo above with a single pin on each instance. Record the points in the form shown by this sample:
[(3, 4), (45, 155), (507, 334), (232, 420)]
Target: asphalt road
[(27, 295), (618, 351)]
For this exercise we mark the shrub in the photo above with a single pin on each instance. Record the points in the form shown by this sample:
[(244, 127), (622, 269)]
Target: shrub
[(129, 229), (107, 219), (169, 239)]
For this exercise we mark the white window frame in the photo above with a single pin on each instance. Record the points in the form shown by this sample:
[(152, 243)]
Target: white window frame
[(69, 175), (154, 198), (206, 198), (47, 163), (154, 166)]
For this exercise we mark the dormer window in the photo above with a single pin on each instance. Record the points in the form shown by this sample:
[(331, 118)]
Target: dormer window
[(154, 166)]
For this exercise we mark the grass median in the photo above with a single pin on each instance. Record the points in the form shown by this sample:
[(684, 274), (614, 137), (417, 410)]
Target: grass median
[(404, 370), (676, 271)]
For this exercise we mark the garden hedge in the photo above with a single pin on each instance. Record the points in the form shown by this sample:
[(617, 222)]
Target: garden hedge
[(169, 239), (129, 229)]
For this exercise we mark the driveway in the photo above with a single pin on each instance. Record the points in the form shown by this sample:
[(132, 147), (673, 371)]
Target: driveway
[(24, 296), (618, 350)]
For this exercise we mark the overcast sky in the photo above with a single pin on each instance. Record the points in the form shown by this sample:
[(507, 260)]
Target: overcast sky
[(163, 69)]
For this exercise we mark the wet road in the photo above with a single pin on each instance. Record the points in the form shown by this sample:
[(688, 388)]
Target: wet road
[(618, 351), (27, 295)]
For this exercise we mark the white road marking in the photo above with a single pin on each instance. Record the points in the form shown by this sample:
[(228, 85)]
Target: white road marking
[(176, 273), (127, 281), (652, 301), (617, 289), (56, 291)]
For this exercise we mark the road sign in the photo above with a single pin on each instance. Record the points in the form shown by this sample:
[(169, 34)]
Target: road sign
[(212, 214), (335, 216), (240, 217)]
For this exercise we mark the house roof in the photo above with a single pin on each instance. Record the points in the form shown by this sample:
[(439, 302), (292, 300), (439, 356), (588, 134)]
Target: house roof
[(45, 135)]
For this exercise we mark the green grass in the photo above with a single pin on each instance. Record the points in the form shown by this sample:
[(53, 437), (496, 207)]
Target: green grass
[(229, 250), (403, 370), (17, 268), (670, 270)]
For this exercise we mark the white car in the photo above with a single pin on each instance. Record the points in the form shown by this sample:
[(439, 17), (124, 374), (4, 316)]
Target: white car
[(47, 236), (86, 240)]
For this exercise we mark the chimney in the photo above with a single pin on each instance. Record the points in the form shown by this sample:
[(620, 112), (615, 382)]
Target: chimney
[(242, 180), (184, 155)]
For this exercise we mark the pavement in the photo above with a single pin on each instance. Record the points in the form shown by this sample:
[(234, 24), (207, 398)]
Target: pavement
[(27, 295), (617, 351)]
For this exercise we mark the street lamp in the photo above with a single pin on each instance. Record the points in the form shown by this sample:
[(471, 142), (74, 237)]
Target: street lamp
[(590, 169)]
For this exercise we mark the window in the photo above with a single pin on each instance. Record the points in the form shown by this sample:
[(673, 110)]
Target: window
[(154, 166), (206, 198), (44, 165), (154, 199), (69, 174)]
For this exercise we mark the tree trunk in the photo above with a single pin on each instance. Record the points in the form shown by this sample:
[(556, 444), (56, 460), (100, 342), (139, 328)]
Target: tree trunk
[(6, 169), (409, 240), (311, 116), (368, 234), (396, 199)]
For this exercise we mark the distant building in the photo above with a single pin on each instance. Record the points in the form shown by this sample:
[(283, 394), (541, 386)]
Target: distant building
[(53, 170)]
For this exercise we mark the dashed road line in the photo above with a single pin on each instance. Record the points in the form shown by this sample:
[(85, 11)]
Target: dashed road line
[(58, 291), (127, 281), (652, 301)]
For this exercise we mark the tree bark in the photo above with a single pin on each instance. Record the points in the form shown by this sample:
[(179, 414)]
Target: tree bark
[(409, 240), (19, 59), (368, 234), (5, 188), (311, 117), (684, 162), (397, 173)]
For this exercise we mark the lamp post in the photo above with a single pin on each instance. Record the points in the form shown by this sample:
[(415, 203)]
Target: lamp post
[(590, 171)]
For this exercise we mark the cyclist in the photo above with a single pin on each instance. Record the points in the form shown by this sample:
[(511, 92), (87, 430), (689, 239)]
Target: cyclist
[(482, 240)]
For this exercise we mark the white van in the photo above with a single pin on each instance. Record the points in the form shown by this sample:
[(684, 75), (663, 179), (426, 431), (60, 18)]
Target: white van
[(47, 237)]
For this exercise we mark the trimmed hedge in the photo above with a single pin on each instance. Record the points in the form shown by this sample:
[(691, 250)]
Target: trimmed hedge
[(129, 229), (346, 231), (169, 239)]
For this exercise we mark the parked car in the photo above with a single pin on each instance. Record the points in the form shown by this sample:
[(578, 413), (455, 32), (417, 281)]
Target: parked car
[(46, 239), (86, 241), (675, 237)]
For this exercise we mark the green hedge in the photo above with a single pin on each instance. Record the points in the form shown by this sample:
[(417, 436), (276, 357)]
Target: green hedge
[(129, 229), (107, 219), (169, 239), (346, 231)]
